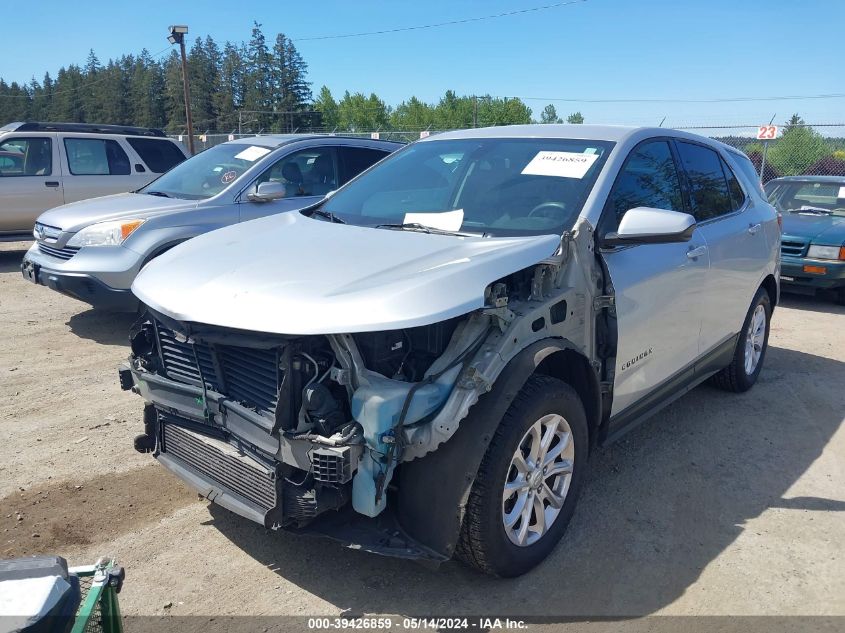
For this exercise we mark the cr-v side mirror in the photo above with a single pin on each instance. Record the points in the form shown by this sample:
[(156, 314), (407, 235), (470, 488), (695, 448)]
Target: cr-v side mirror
[(267, 192), (644, 225)]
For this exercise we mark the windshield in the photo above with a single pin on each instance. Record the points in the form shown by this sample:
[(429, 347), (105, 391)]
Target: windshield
[(207, 173), (488, 186), (816, 198)]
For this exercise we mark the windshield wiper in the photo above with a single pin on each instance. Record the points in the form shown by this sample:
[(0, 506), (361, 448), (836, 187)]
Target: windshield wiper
[(328, 215), (158, 193), (813, 210), (417, 226)]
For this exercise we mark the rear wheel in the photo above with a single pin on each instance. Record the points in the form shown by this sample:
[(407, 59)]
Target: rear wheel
[(751, 347), (529, 480)]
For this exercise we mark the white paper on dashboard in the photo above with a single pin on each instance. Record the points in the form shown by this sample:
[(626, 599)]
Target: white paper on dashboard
[(252, 153), (446, 221), (560, 164), (841, 193)]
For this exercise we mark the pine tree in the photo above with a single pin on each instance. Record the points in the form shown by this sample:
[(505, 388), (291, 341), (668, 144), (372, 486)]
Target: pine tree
[(229, 90), (257, 93), (328, 109), (549, 115), (174, 97)]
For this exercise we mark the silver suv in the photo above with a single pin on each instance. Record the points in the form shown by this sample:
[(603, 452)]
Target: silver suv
[(44, 165), (92, 250), (420, 365)]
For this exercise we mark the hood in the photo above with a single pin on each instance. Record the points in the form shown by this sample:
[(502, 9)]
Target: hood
[(289, 274), (819, 229), (77, 215)]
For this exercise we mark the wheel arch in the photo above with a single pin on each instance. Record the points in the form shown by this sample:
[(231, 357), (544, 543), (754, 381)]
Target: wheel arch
[(434, 489), (771, 287), (573, 368)]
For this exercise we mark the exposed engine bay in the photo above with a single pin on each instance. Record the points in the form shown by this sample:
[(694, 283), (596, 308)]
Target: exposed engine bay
[(281, 429), (320, 410)]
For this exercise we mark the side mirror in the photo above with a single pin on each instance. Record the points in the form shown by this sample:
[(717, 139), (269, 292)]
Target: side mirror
[(267, 192), (644, 225)]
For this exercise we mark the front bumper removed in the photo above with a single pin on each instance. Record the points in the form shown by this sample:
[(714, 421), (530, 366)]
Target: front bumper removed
[(228, 455)]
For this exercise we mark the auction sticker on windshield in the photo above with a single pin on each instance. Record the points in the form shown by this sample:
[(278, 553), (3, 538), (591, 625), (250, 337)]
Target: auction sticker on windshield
[(560, 164), (252, 153)]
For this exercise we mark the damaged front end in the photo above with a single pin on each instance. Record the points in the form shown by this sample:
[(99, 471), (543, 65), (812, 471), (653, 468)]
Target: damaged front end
[(281, 429), (354, 436)]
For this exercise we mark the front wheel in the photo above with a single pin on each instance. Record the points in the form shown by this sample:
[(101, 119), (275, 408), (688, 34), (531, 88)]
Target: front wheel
[(529, 480), (751, 347)]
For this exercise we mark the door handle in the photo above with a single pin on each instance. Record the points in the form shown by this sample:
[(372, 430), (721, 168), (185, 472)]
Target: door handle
[(51, 183), (695, 253), (753, 228)]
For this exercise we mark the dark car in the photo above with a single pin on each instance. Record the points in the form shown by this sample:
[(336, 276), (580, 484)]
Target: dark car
[(813, 240)]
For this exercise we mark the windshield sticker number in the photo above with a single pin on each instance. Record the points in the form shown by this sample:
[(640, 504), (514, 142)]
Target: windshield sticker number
[(447, 221), (228, 177), (252, 153), (560, 164)]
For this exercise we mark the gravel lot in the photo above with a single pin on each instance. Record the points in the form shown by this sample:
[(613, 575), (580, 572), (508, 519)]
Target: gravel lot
[(721, 504)]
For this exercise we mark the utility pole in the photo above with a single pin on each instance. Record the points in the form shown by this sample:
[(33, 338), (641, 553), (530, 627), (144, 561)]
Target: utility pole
[(177, 36), (474, 111)]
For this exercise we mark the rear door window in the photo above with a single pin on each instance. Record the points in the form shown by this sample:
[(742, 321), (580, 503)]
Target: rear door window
[(96, 157), (26, 157), (159, 154), (356, 159), (649, 178), (709, 192)]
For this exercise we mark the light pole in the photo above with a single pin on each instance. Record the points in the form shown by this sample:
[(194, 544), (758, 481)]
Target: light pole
[(177, 36)]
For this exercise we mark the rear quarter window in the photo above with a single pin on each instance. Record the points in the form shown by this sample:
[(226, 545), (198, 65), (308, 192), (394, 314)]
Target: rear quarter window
[(159, 154), (748, 171)]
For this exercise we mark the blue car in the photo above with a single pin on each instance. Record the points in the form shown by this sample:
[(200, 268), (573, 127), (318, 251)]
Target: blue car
[(813, 240)]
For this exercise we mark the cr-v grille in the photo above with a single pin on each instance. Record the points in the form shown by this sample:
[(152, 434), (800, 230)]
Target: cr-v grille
[(244, 374), (60, 253), (219, 462)]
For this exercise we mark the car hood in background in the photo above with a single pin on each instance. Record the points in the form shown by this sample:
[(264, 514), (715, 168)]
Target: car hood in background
[(819, 229), (288, 274), (72, 217)]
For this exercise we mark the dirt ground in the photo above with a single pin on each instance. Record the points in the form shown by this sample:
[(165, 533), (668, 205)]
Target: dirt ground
[(721, 504)]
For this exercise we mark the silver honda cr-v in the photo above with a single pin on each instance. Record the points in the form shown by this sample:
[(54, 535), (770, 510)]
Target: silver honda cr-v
[(92, 250)]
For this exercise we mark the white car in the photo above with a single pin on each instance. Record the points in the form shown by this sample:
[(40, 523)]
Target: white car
[(44, 165)]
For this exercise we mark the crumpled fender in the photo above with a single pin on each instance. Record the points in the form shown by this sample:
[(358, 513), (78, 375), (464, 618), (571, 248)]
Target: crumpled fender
[(434, 489)]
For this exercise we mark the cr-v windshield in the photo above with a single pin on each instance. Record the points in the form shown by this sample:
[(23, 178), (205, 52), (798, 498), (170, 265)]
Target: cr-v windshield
[(492, 186), (207, 173)]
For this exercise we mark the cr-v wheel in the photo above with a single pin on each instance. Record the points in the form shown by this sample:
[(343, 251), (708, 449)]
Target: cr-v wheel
[(750, 351), (528, 482)]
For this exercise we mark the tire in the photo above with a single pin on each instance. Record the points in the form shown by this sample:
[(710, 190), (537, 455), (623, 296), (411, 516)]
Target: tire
[(484, 541), (735, 376), (840, 296)]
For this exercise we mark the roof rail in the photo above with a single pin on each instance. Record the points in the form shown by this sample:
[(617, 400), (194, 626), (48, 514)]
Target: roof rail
[(92, 128)]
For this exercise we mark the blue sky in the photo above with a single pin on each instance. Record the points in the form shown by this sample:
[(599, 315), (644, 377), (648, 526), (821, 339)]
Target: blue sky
[(597, 49)]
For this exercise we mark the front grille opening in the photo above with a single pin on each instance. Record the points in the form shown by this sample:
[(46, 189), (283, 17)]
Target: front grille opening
[(246, 375), (60, 253)]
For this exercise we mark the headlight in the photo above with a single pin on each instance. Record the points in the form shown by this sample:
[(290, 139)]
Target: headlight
[(826, 252), (105, 233)]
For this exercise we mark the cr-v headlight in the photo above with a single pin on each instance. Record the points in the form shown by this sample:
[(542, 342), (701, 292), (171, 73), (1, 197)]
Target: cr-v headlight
[(826, 252), (112, 233)]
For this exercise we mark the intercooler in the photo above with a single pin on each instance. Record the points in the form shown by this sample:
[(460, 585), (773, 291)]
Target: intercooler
[(221, 463)]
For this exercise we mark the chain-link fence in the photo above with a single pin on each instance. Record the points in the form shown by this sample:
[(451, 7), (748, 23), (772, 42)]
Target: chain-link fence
[(800, 149)]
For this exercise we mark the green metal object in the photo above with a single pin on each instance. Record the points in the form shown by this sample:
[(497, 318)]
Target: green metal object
[(99, 609)]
